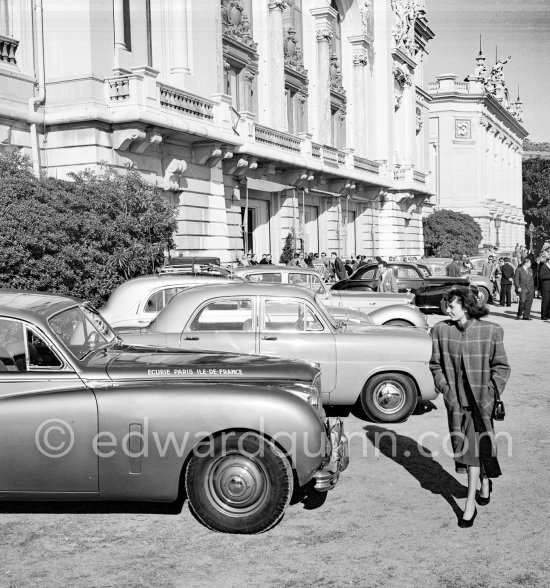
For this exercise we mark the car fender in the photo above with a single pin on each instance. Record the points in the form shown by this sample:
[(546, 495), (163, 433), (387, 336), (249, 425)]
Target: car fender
[(146, 434), (350, 386), (399, 312)]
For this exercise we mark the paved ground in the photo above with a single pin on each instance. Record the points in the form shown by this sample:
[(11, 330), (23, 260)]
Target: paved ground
[(392, 521)]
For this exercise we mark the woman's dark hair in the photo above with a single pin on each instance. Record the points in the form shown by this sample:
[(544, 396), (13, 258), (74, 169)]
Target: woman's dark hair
[(469, 301)]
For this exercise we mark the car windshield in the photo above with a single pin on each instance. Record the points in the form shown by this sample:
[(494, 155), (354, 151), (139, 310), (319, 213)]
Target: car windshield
[(82, 329)]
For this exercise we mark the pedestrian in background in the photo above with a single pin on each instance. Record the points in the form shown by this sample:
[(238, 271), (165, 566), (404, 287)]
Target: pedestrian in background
[(339, 267), (525, 288), (544, 283), (468, 364), (386, 278), (506, 280), (454, 269)]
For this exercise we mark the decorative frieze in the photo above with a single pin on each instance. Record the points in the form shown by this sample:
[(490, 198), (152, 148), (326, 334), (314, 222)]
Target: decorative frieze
[(119, 89)]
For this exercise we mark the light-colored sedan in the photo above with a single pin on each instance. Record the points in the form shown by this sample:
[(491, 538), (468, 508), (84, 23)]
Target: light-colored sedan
[(137, 302), (382, 369), (384, 308)]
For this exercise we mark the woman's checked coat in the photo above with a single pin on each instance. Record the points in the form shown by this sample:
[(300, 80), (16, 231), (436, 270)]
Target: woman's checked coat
[(480, 344)]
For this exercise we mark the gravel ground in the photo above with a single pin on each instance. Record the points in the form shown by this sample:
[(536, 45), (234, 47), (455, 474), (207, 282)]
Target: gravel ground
[(391, 521)]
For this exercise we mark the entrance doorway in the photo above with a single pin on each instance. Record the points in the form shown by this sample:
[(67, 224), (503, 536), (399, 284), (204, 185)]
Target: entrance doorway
[(255, 227)]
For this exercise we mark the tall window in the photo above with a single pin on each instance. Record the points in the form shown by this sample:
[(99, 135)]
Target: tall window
[(336, 41), (296, 81), (4, 18), (127, 24)]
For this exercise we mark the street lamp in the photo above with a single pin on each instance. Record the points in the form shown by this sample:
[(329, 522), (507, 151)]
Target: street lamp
[(531, 231), (497, 227)]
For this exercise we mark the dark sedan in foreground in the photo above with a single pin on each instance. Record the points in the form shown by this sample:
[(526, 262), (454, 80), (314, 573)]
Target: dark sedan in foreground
[(85, 416)]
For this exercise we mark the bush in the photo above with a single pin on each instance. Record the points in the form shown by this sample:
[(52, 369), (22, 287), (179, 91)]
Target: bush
[(447, 232), (82, 237)]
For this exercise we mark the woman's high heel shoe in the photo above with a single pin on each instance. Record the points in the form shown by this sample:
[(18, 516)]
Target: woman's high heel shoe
[(485, 501), (466, 523)]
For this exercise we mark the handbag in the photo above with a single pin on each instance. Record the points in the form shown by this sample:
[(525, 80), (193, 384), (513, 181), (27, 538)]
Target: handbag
[(498, 410)]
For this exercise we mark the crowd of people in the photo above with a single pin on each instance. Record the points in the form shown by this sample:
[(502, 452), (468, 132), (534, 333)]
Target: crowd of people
[(516, 278)]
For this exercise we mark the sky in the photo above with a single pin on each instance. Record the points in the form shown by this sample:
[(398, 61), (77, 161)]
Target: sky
[(518, 28)]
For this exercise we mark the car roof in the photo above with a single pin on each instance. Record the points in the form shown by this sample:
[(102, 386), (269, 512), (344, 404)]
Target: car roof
[(190, 299), (275, 269), (33, 306), (128, 291)]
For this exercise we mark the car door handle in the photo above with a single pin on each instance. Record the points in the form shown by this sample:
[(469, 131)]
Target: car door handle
[(269, 338), (191, 338)]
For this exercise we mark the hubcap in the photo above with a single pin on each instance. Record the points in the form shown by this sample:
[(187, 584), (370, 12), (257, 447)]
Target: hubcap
[(389, 397), (237, 485)]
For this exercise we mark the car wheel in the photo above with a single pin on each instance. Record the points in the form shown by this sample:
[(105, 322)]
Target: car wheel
[(483, 295), (388, 398), (398, 323), (239, 482)]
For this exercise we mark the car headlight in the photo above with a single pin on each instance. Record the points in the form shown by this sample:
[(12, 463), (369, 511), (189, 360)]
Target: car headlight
[(309, 393)]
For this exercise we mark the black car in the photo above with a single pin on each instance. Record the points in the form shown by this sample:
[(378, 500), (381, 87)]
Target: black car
[(428, 290)]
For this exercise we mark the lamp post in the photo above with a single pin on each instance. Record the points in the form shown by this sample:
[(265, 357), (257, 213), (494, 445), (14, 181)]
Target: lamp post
[(531, 231), (497, 227)]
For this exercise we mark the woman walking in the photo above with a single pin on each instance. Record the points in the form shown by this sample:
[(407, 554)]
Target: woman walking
[(468, 364)]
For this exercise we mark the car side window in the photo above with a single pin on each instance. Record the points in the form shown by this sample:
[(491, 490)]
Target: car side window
[(299, 280), (224, 314), (289, 315), (22, 349), (158, 300), (407, 273), (265, 278), (368, 275)]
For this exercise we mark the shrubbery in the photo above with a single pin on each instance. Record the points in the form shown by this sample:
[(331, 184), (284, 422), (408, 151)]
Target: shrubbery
[(82, 237), (447, 232)]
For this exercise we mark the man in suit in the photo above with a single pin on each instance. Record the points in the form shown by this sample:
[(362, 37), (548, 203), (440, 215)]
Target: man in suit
[(453, 269), (339, 267), (386, 278), (544, 286), (525, 287), (507, 272)]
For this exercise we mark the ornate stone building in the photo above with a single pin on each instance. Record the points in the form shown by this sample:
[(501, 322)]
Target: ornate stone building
[(476, 146), (257, 117)]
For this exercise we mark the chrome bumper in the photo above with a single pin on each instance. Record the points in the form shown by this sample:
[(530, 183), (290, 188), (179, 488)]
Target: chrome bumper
[(327, 477)]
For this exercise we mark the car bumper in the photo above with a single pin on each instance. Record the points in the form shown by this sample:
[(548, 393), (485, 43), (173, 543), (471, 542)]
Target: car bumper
[(327, 476)]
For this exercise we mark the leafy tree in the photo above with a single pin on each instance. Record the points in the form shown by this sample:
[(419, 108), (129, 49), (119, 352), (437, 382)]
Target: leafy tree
[(447, 232), (536, 199), (288, 249), (81, 237)]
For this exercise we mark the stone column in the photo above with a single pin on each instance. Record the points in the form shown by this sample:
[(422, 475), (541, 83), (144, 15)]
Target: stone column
[(323, 27), (276, 65), (360, 107), (118, 19), (179, 56)]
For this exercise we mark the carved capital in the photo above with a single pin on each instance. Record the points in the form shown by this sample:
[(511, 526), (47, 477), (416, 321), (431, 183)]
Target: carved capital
[(324, 33), (277, 4), (175, 170), (360, 59)]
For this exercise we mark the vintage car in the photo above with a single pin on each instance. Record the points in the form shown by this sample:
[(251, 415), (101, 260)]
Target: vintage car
[(86, 416), (383, 370), (437, 266), (137, 302), (385, 308), (428, 290)]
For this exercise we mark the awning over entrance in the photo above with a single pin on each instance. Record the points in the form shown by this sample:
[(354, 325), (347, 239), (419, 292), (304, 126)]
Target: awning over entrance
[(266, 185)]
